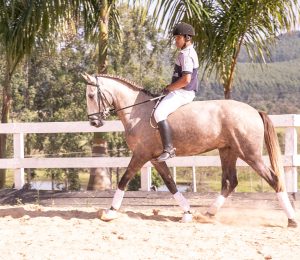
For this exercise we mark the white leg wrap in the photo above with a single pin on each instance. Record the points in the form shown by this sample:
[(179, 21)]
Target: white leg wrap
[(285, 203), (183, 203), (117, 200), (218, 203)]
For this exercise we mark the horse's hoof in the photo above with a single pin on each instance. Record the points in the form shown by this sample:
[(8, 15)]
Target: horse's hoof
[(186, 218), (209, 215), (292, 223), (108, 215)]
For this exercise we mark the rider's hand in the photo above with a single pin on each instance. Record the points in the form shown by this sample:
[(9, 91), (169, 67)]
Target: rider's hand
[(165, 91)]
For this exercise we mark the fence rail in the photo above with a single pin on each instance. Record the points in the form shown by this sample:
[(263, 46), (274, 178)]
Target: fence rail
[(291, 158)]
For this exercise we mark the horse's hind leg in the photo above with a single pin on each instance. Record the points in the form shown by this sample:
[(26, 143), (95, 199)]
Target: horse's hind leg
[(165, 173), (277, 184), (229, 178), (265, 172)]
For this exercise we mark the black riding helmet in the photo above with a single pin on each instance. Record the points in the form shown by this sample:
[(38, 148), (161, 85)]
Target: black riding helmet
[(184, 29)]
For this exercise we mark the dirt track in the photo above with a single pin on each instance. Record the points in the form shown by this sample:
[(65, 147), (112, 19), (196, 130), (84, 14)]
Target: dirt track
[(246, 228)]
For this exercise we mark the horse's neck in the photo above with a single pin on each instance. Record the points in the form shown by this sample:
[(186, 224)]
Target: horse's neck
[(125, 96)]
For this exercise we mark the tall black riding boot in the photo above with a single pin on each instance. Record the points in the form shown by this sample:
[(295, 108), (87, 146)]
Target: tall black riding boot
[(166, 138)]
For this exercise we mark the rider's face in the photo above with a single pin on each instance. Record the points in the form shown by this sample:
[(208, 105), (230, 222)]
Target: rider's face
[(179, 41)]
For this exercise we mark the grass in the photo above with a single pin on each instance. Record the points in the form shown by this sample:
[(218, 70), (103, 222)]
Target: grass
[(41, 176), (208, 179)]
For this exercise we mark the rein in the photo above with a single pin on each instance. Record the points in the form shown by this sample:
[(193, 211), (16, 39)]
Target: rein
[(107, 111), (148, 100)]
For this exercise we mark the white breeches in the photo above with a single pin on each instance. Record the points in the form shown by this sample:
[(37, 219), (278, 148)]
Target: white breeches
[(171, 102)]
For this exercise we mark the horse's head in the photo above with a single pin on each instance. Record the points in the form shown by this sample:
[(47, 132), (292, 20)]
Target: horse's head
[(98, 105)]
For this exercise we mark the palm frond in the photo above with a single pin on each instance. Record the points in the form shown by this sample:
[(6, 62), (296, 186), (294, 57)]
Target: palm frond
[(23, 22)]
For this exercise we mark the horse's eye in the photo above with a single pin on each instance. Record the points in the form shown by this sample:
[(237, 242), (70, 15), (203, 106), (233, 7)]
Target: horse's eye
[(91, 96)]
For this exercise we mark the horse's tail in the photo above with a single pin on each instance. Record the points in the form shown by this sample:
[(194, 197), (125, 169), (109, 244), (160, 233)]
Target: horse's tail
[(273, 149)]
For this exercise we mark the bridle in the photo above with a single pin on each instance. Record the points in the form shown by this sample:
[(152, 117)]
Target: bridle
[(101, 99), (107, 110)]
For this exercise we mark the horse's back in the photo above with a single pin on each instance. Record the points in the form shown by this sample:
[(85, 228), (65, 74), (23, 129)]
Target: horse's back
[(217, 111), (216, 124)]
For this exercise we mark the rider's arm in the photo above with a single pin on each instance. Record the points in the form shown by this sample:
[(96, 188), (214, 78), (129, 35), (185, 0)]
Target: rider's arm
[(182, 82), (186, 64)]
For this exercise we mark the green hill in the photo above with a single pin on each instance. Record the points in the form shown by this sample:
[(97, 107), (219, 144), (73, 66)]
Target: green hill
[(286, 48), (273, 87)]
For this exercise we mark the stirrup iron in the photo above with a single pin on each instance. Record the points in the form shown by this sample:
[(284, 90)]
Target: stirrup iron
[(167, 154)]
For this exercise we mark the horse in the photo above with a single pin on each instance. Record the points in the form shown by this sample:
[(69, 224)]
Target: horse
[(236, 129)]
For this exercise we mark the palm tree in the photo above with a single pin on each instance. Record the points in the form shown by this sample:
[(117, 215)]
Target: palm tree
[(224, 26), (101, 18), (22, 25), (252, 24)]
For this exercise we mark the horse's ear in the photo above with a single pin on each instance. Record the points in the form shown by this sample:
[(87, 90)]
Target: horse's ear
[(88, 78)]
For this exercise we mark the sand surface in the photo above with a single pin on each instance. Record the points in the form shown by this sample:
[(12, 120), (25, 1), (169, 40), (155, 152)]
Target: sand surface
[(37, 232)]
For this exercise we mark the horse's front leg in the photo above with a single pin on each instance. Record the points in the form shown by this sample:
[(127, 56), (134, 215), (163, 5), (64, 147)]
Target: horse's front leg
[(135, 164), (165, 173), (229, 179)]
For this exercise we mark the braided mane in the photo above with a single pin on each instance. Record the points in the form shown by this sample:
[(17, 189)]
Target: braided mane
[(130, 83)]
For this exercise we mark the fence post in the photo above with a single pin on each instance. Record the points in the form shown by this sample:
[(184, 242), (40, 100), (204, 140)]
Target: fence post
[(194, 180), (174, 174), (19, 154), (146, 179), (291, 151)]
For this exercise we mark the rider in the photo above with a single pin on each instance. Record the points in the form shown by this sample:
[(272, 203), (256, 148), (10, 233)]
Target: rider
[(183, 87)]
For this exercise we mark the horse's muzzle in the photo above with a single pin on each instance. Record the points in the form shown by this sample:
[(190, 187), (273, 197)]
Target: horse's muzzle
[(96, 121)]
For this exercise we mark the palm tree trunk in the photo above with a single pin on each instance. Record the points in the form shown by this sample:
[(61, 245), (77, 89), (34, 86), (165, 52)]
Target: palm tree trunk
[(227, 93), (100, 177), (228, 83), (103, 37), (6, 97)]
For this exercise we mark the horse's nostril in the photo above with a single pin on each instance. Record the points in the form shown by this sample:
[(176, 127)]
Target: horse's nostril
[(93, 123)]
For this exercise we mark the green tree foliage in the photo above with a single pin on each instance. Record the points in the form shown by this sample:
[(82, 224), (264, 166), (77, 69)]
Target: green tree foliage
[(50, 89), (135, 183), (144, 55), (23, 24)]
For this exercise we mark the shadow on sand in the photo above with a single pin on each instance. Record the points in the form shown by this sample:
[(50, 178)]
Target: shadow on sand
[(64, 214), (155, 217)]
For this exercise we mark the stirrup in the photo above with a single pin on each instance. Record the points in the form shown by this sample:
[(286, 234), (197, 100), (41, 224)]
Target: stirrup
[(167, 154)]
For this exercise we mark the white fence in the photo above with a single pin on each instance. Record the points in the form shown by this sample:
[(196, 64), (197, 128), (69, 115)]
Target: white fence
[(291, 159)]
